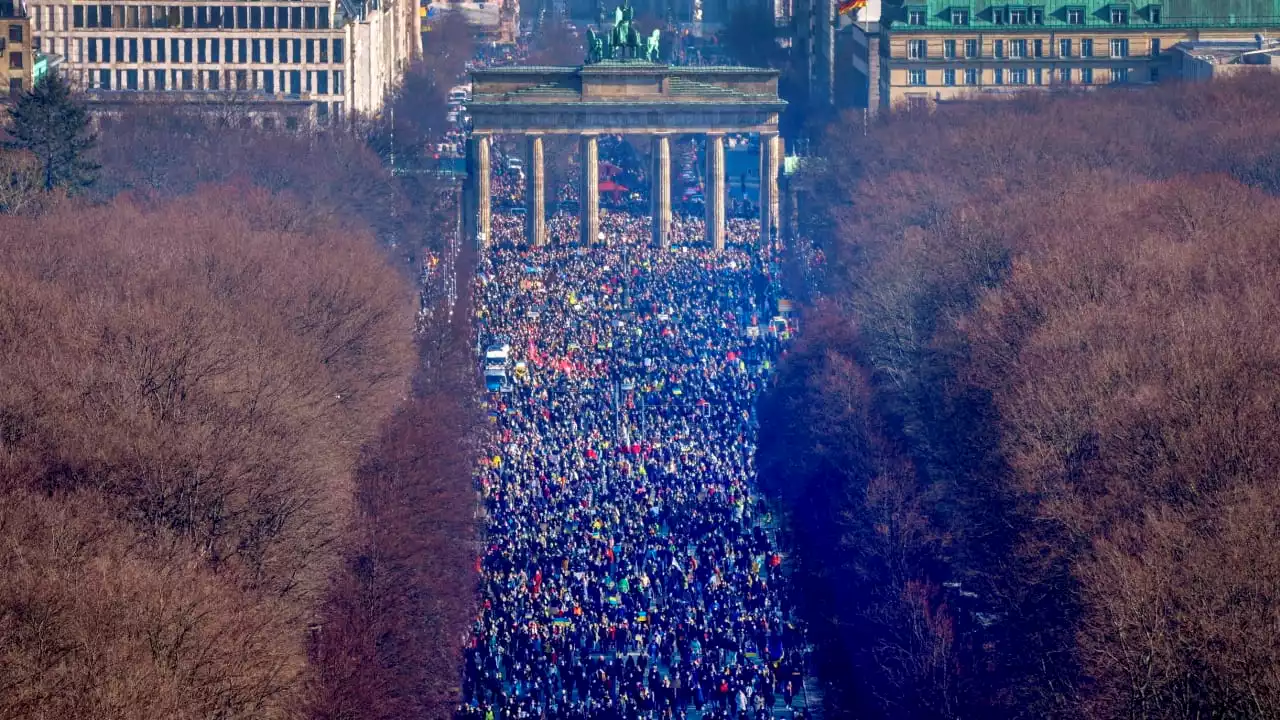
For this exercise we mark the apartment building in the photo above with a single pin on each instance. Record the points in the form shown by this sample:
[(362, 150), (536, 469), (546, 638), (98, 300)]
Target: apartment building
[(939, 50), (17, 60), (330, 58), (813, 42), (837, 53)]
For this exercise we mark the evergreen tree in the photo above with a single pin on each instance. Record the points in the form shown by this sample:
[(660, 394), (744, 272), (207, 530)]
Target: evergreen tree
[(53, 125)]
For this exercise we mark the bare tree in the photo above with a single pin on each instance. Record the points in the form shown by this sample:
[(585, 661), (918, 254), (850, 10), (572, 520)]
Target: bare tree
[(20, 182), (203, 374), (1063, 345)]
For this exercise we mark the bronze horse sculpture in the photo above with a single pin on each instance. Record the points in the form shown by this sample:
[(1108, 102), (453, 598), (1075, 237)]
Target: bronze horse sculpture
[(623, 41)]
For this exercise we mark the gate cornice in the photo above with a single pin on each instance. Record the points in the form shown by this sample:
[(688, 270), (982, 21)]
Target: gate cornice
[(625, 97)]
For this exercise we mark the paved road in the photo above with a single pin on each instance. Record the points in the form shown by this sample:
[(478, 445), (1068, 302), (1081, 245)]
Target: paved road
[(741, 171), (740, 164)]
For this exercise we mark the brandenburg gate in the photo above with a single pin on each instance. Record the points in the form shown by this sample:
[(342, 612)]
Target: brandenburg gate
[(623, 90)]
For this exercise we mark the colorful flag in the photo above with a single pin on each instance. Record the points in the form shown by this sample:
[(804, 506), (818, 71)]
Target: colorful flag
[(847, 12)]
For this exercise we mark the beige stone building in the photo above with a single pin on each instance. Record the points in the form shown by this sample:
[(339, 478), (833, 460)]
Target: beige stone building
[(319, 59), (17, 59), (939, 50)]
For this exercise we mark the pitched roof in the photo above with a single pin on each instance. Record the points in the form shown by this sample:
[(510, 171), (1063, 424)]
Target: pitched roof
[(680, 86)]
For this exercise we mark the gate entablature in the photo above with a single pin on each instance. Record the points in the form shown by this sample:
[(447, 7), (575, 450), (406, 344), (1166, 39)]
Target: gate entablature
[(621, 96)]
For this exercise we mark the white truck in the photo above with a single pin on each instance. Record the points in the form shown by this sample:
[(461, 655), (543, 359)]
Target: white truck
[(497, 358), (497, 355)]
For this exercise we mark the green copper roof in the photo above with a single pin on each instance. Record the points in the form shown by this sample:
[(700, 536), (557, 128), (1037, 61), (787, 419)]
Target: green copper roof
[(626, 63), (1141, 14)]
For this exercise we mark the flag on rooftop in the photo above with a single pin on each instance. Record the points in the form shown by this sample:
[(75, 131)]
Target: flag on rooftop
[(846, 12)]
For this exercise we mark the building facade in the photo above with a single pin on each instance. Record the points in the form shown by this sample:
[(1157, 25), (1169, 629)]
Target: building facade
[(813, 38), (17, 57), (331, 58), (491, 22), (838, 52), (862, 88), (939, 50), (1209, 60)]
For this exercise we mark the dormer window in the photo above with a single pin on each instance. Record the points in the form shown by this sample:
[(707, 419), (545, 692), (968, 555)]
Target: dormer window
[(916, 17), (1119, 16), (1037, 16), (1153, 14), (1075, 16), (998, 16), (959, 16), (1017, 17)]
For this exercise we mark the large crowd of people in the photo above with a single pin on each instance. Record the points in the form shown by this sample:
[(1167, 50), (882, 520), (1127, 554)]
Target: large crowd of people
[(630, 570)]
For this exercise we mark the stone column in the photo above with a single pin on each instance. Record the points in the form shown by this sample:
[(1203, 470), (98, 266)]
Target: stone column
[(714, 195), (483, 195), (589, 200), (769, 158), (535, 192), (660, 191)]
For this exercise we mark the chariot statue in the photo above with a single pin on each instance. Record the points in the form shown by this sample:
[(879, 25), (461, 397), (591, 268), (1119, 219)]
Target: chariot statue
[(623, 41), (622, 31)]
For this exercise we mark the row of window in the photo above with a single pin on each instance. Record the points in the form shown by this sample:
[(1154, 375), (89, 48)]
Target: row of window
[(1032, 16), (1017, 49), (1018, 76), (188, 17), (289, 82), (204, 50), (263, 118)]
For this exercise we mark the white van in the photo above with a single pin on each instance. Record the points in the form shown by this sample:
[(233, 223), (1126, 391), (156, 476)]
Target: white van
[(497, 356), (780, 328)]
